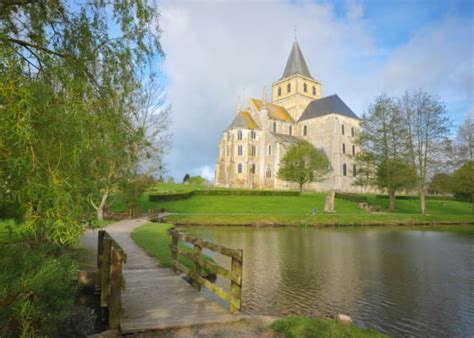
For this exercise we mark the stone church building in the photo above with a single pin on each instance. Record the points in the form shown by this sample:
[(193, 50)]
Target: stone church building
[(251, 147)]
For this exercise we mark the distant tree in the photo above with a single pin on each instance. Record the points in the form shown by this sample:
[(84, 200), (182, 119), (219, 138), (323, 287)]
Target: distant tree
[(424, 116), (169, 179), (441, 183), (465, 140), (382, 142), (463, 183), (197, 180), (303, 163), (186, 178), (133, 189), (366, 169)]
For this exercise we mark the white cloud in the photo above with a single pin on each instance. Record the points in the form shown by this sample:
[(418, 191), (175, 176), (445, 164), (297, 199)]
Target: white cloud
[(217, 52), (207, 172)]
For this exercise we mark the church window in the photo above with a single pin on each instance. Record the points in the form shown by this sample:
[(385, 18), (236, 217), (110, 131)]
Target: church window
[(342, 129), (254, 150), (343, 148), (268, 173), (239, 135), (253, 134), (252, 168), (269, 149), (288, 87), (314, 90), (228, 150), (353, 150), (279, 91), (239, 168), (354, 171), (239, 150), (305, 87), (352, 131), (290, 130), (274, 127), (344, 169), (305, 130)]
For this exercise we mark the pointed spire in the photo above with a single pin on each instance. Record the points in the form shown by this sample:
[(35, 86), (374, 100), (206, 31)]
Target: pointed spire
[(238, 104), (264, 98), (296, 63)]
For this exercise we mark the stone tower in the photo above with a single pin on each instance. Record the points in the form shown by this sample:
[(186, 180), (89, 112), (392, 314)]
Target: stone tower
[(296, 88)]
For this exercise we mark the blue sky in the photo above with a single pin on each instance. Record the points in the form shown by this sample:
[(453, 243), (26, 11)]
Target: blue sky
[(218, 52)]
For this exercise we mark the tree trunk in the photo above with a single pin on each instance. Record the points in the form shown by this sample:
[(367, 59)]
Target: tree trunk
[(422, 201), (301, 188), (391, 200), (100, 208)]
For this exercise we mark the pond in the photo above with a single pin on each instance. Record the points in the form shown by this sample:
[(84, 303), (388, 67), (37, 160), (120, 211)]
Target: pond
[(397, 280)]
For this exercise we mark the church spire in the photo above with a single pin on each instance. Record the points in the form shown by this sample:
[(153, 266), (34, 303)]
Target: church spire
[(296, 63)]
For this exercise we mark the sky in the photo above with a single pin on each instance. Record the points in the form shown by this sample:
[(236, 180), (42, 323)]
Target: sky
[(219, 54)]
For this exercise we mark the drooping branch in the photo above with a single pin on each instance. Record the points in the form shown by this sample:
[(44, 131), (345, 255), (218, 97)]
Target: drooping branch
[(29, 45)]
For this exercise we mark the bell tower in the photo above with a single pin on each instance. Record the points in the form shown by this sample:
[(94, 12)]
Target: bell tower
[(296, 88)]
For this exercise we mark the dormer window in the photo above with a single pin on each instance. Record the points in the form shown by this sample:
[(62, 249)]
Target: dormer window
[(239, 135), (314, 90), (305, 131), (305, 87), (288, 87), (279, 91)]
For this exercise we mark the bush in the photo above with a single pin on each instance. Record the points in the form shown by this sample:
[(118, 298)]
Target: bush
[(243, 192), (37, 290), (169, 197), (352, 197), (406, 197)]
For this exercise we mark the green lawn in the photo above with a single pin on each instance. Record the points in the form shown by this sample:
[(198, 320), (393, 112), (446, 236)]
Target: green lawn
[(293, 327), (432, 206)]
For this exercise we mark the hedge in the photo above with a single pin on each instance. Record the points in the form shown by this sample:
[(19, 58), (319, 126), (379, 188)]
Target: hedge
[(352, 197), (230, 192), (170, 197), (430, 197)]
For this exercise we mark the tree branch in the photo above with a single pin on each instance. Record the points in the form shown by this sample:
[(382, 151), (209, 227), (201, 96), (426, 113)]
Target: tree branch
[(27, 44)]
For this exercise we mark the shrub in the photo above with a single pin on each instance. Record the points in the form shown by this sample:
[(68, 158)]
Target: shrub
[(243, 192), (169, 197), (352, 197), (37, 290), (407, 197)]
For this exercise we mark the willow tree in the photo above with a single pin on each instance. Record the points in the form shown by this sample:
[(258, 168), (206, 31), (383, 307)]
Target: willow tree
[(303, 163), (68, 73)]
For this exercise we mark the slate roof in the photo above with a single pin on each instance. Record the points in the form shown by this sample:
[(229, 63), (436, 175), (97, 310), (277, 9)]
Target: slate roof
[(243, 120), (296, 63), (286, 138), (274, 111), (327, 105)]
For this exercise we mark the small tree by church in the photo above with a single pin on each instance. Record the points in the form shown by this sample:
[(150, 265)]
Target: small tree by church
[(303, 163)]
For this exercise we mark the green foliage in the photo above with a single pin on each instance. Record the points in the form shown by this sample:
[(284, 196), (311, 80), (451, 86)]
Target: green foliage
[(463, 182), (196, 180), (352, 197), (440, 184), (37, 290), (246, 192), (303, 163), (395, 174), (186, 178), (293, 327), (133, 189)]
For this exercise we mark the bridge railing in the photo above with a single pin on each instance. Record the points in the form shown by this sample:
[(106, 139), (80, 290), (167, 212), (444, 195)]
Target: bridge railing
[(110, 259), (199, 263)]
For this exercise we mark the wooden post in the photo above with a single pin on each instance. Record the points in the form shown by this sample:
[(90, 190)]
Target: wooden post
[(105, 274), (115, 288), (100, 254), (236, 289), (197, 268), (174, 250)]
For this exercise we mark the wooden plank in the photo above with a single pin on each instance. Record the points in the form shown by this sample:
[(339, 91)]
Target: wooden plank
[(197, 250), (100, 247), (236, 288), (105, 282), (237, 254), (115, 303), (221, 293)]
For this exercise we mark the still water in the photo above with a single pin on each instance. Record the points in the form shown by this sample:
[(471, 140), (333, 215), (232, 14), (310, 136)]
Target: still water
[(402, 282)]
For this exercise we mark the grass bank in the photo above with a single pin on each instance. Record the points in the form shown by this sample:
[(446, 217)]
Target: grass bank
[(293, 327)]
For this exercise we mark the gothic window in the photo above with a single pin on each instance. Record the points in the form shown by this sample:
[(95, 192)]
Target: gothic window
[(254, 150), (352, 131), (253, 134), (239, 150), (353, 150), (279, 91), (314, 90), (239, 135), (252, 168), (288, 87), (290, 130), (342, 129), (268, 173), (305, 130), (344, 169), (343, 148), (228, 150), (269, 149), (239, 168), (274, 127), (305, 87), (354, 172)]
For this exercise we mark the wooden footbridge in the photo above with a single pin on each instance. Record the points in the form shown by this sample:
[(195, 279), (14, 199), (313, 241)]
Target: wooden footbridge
[(140, 296)]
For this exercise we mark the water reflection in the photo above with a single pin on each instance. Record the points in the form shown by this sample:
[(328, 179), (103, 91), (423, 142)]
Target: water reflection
[(403, 282)]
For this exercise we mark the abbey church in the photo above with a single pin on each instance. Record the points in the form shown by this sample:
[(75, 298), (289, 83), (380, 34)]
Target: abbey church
[(253, 144)]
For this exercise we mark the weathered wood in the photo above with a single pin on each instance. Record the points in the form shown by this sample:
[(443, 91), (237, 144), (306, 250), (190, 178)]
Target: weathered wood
[(197, 250), (105, 274), (100, 248), (236, 288), (115, 305), (177, 265), (174, 250), (221, 293)]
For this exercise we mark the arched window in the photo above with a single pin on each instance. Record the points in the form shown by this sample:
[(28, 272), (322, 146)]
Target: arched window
[(269, 149), (239, 135), (279, 91), (290, 130), (343, 148), (344, 169), (252, 168), (268, 173), (239, 168), (342, 129), (253, 134), (305, 130), (354, 171), (352, 131), (274, 127), (254, 150), (305, 87), (288, 87), (239, 150), (314, 90), (353, 150), (228, 150)]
